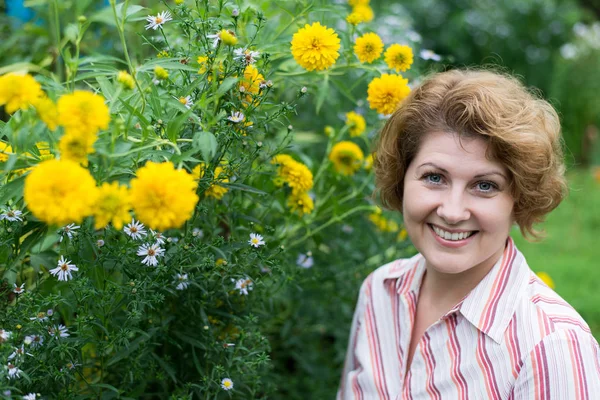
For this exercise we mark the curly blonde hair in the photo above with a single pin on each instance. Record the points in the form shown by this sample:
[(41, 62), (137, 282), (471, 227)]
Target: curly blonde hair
[(522, 132)]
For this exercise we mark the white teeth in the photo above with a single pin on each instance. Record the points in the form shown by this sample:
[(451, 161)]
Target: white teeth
[(451, 236)]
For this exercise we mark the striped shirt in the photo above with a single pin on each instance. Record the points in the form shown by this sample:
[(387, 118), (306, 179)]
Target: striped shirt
[(511, 337)]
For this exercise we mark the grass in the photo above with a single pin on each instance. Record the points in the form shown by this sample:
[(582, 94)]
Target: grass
[(570, 253)]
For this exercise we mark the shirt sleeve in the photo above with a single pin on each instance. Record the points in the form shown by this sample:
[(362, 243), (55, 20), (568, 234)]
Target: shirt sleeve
[(350, 362), (565, 365)]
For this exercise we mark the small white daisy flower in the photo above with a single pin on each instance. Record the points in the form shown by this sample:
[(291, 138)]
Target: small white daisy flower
[(11, 215), (236, 117), (186, 101), (58, 331), (4, 335), (227, 384), (100, 243), (70, 365), (216, 38), (256, 240), (68, 230), (182, 281), (246, 56), (64, 269), (40, 317), (159, 20), (197, 232), (135, 229), (13, 371), (305, 260), (18, 353), (33, 340), (150, 252), (18, 289), (304, 90), (426, 54), (31, 396), (244, 285), (159, 237)]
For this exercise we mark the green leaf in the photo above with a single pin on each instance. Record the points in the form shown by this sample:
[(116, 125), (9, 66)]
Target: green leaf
[(206, 142), (322, 93), (168, 369), (190, 340), (225, 86), (246, 188), (106, 15), (12, 189)]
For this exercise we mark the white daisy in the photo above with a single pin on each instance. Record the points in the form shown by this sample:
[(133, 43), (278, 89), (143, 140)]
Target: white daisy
[(31, 396), (68, 230), (151, 252), (4, 335), (13, 371), (197, 232), (426, 54), (19, 289), (305, 260), (256, 240), (70, 365), (135, 229), (159, 237), (58, 331), (11, 215), (227, 384), (100, 243), (33, 340), (216, 38), (182, 281), (18, 353), (159, 20), (246, 56), (244, 285), (236, 117), (64, 269), (40, 317), (186, 101)]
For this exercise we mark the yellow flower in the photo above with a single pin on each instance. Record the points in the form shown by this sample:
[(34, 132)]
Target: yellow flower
[(329, 131), (214, 190), (386, 92), (361, 13), (546, 279), (347, 157), (161, 73), (47, 112), (60, 192), (18, 92), (5, 151), (399, 57), (162, 196), (369, 162), (354, 18), (402, 235), (355, 3), (202, 61), (220, 261), (83, 112), (368, 47), (383, 224), (125, 79), (113, 205), (294, 173), (178, 2), (356, 122), (44, 151), (228, 37), (250, 84), (300, 203), (76, 147), (315, 47), (163, 54)]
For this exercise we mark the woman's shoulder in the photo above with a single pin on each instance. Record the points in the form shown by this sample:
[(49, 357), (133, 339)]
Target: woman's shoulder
[(402, 269)]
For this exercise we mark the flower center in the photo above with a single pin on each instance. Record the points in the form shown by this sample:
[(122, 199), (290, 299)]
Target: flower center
[(133, 229), (316, 44), (151, 252), (41, 315), (10, 213), (159, 20), (64, 267), (183, 100)]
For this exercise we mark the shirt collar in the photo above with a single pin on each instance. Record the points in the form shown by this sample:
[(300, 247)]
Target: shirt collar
[(491, 304)]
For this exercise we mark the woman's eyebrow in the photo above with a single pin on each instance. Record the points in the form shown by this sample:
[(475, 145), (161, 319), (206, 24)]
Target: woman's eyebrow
[(430, 164)]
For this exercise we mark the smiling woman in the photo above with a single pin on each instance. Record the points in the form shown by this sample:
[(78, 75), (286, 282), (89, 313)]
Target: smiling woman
[(465, 156)]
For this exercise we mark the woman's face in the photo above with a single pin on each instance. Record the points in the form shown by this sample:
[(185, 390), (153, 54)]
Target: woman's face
[(457, 205)]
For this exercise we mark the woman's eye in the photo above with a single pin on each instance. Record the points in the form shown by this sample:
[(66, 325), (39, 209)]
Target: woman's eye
[(486, 186), (433, 178)]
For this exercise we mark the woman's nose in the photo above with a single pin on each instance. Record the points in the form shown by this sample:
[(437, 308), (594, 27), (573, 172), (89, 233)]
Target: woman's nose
[(453, 208)]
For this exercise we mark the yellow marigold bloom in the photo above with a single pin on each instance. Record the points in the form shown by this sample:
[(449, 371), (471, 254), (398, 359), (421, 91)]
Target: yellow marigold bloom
[(214, 190), (44, 150), (76, 147), (369, 162), (364, 11), (202, 60), (47, 112), (113, 205), (251, 80), (300, 203), (356, 122), (355, 3), (160, 73), (198, 171), (546, 279), (355, 18), (60, 192), (315, 47), (368, 47), (347, 157), (83, 112), (385, 93), (228, 37), (399, 57), (329, 131), (125, 79), (5, 151), (18, 92), (382, 223), (162, 196), (294, 173)]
